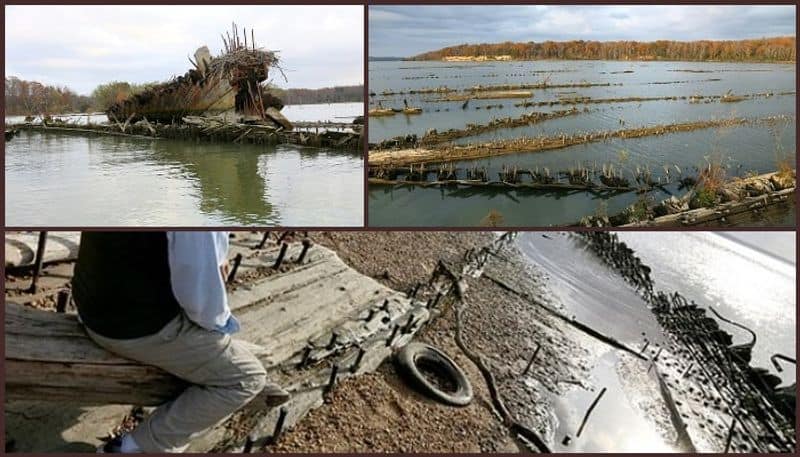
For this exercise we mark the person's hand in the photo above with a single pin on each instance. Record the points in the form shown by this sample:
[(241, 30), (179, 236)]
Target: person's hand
[(225, 270)]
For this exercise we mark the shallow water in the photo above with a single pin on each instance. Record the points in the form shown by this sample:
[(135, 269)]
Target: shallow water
[(742, 149), (755, 287), (77, 180)]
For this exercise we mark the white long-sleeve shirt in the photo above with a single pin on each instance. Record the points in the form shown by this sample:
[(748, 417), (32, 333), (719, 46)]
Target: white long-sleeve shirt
[(194, 262)]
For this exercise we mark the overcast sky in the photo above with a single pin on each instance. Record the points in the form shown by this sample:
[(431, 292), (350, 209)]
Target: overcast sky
[(404, 31), (83, 46)]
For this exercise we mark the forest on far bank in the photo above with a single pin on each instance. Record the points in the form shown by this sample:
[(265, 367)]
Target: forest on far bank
[(777, 49), (32, 98)]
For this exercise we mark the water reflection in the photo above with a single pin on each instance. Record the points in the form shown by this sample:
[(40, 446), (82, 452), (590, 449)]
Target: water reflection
[(75, 180)]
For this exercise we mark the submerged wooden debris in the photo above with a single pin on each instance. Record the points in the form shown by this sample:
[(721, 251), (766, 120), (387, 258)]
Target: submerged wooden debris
[(747, 195), (218, 130), (741, 406), (448, 153), (696, 98)]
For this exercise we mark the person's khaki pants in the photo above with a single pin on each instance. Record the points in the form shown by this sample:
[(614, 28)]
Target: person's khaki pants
[(224, 374)]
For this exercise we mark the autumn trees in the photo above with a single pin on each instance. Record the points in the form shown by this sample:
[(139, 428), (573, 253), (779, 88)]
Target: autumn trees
[(31, 97), (778, 49)]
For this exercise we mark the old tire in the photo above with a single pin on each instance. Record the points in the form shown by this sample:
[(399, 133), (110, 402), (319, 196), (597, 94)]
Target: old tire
[(413, 356)]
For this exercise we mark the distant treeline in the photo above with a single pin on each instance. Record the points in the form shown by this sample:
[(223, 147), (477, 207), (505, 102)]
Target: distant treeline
[(760, 50), (338, 94), (32, 98)]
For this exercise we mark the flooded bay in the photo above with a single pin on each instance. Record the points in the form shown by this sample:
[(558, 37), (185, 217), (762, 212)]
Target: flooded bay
[(749, 148)]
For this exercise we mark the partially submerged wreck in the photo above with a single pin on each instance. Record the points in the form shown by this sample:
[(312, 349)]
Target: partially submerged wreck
[(222, 98), (227, 86)]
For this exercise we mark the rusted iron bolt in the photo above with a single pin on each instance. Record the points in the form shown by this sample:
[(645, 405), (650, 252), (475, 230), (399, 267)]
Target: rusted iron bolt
[(357, 363), (236, 262), (281, 254), (63, 300), (390, 340), (306, 245)]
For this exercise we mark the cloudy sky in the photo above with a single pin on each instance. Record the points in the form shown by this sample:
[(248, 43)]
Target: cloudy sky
[(83, 46), (404, 31)]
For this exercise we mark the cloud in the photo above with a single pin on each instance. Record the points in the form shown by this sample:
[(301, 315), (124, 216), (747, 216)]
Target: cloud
[(409, 30), (83, 46)]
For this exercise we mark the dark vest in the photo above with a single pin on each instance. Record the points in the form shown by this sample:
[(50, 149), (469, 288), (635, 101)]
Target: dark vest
[(121, 283)]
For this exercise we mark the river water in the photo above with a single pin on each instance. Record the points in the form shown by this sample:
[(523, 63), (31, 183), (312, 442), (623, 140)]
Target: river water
[(748, 277), (55, 179), (741, 149)]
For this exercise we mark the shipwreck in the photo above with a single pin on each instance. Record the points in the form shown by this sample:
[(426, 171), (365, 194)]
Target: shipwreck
[(227, 86)]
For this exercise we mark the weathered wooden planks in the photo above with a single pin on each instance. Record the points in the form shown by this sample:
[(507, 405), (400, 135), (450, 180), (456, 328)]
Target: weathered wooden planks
[(20, 247), (49, 356)]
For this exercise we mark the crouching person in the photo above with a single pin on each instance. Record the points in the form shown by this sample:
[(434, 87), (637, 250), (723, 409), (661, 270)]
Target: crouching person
[(159, 298)]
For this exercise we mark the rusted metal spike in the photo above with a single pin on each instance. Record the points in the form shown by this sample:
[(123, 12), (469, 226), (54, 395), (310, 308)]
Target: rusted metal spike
[(281, 254), (37, 265), (248, 445), (357, 363), (409, 324), (306, 357), (276, 434), (236, 262), (332, 343), (533, 357), (436, 300), (261, 244), (63, 300), (332, 379), (306, 245), (390, 340)]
